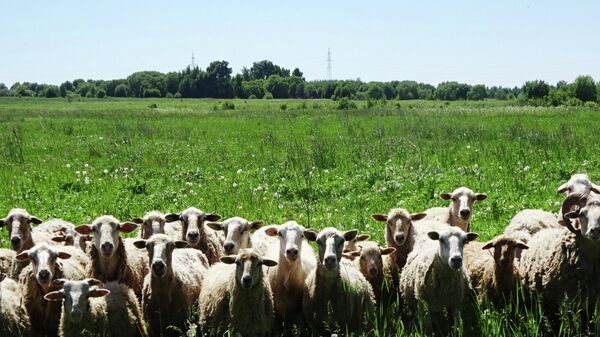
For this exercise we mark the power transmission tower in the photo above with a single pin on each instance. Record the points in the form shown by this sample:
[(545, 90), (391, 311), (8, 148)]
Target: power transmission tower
[(328, 64), (193, 65)]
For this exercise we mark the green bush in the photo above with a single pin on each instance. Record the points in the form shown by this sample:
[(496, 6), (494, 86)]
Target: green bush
[(268, 96), (153, 92), (228, 106)]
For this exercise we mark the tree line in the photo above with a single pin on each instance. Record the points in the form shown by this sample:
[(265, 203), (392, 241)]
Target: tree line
[(264, 80)]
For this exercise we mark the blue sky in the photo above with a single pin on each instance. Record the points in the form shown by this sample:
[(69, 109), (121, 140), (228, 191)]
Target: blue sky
[(491, 42)]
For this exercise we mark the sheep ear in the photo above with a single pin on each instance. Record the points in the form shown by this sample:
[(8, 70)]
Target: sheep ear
[(63, 255), (127, 227), (171, 217), (137, 220), (98, 293), (418, 216), (472, 237), (228, 259), (35, 220), (595, 188), (488, 245), (311, 234), (256, 224), (141, 244), (572, 215), (480, 196), (446, 196), (362, 237), (351, 255), (59, 282), (271, 231), (379, 217), (217, 226), (212, 217), (94, 282), (54, 296), (58, 238), (2, 222), (181, 244), (521, 245), (2, 277), (387, 250), (84, 229), (433, 235), (350, 235), (269, 262), (562, 188), (23, 256)]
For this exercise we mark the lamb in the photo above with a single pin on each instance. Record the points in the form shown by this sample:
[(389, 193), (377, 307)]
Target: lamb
[(173, 285), (47, 264), (494, 275), (336, 294), (111, 257), (527, 223), (400, 235), (69, 237), (196, 233), (237, 233), (6, 258), (91, 308), (578, 183), (371, 264), (435, 276), (460, 211), (237, 297), (295, 260), (152, 223), (352, 245), (563, 263), (14, 320)]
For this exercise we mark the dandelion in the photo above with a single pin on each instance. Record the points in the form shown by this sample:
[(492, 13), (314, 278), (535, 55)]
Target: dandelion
[(468, 146), (264, 169), (526, 168), (239, 171), (77, 173), (280, 206), (84, 172), (189, 183), (86, 165), (105, 171), (87, 180), (234, 184), (174, 200), (276, 195), (68, 165)]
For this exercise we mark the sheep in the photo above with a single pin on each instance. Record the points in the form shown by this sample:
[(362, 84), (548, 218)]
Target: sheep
[(460, 211), (92, 308), (47, 264), (196, 233), (335, 293), (69, 237), (400, 235), (370, 262), (237, 233), (578, 183), (295, 259), (173, 285), (352, 245), (527, 223), (237, 297), (14, 320), (563, 263), (19, 223), (435, 276), (152, 223), (494, 275), (111, 257), (6, 258)]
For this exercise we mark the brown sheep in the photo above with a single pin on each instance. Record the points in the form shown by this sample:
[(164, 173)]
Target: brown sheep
[(197, 234)]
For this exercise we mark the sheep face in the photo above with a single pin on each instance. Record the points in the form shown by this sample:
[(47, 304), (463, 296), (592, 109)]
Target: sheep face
[(589, 219), (462, 202), (452, 242), (371, 259), (399, 223), (160, 252), (106, 231), (505, 249), (237, 233), (71, 238), (192, 223), (248, 269), (290, 239), (352, 245), (43, 262), (579, 183), (18, 222), (152, 223), (75, 295), (330, 242)]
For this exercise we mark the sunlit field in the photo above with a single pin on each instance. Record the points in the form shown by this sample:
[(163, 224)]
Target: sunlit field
[(303, 160)]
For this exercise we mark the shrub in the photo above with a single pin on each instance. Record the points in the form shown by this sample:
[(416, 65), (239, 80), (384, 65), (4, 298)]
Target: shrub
[(345, 104), (228, 106), (121, 90), (169, 95), (52, 91), (153, 92), (268, 96), (585, 88), (536, 89), (177, 95), (283, 107), (251, 97), (100, 93)]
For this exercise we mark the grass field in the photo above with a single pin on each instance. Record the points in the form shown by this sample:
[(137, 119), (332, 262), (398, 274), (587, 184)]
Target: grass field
[(298, 159)]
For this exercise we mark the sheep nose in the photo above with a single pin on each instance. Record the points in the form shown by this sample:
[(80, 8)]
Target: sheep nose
[(44, 274), (159, 268), (594, 232), (464, 213), (228, 246), (456, 262), (193, 236), (246, 280), (15, 241), (330, 261), (292, 252), (76, 315), (399, 237), (107, 248), (373, 271)]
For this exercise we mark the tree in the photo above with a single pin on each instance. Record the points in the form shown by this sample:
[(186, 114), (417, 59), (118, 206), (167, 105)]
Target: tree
[(297, 73), (100, 93), (263, 69), (375, 91), (122, 90), (277, 86), (477, 92), (218, 80), (52, 91), (152, 92), (407, 90), (536, 89), (585, 88), (451, 91), (4, 90)]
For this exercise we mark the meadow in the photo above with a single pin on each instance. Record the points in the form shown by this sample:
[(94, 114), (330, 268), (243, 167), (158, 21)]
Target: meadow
[(305, 160)]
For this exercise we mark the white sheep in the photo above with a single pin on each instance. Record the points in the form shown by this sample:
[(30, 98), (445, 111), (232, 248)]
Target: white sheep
[(152, 223), (578, 183), (173, 285), (435, 276), (6, 258), (460, 211), (48, 263), (527, 223), (14, 320), (352, 245), (237, 234), (237, 297), (69, 237), (196, 233), (92, 308), (336, 295), (295, 259), (111, 257)]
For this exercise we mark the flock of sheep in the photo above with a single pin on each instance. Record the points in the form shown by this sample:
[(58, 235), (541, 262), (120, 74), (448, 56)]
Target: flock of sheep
[(61, 279)]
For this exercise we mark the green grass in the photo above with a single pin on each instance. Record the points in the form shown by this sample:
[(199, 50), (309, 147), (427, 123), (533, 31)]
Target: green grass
[(309, 162)]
